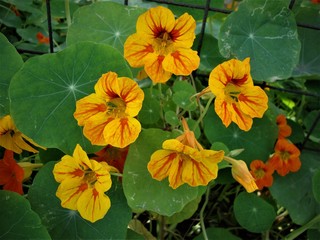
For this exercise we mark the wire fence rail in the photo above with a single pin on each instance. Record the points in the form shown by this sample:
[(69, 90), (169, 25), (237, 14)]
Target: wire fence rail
[(206, 9)]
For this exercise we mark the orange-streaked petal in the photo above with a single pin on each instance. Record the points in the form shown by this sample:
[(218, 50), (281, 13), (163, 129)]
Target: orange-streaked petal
[(183, 33), (121, 132), (175, 171), (160, 163), (155, 21), (93, 205), (241, 174), (154, 69), (222, 110), (6, 141), (89, 106), (69, 192), (94, 128), (106, 86), (253, 101), (20, 143), (181, 62), (136, 49), (103, 176)]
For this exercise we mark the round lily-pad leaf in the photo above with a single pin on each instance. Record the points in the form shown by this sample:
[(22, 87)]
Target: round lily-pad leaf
[(265, 31), (18, 220), (218, 234), (11, 62), (253, 213), (44, 92), (104, 22), (63, 223), (141, 190), (257, 143)]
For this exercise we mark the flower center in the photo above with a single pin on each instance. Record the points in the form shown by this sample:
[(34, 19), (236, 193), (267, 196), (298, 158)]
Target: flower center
[(284, 155), (116, 107), (259, 173), (163, 44), (90, 177), (232, 93)]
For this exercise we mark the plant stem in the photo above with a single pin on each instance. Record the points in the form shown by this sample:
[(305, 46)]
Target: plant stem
[(204, 112), (203, 227), (303, 228), (67, 9)]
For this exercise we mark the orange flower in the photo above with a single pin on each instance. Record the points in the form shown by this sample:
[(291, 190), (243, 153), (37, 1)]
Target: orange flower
[(286, 157), (12, 139), (284, 128), (162, 45), (237, 99), (83, 183), (11, 174), (115, 157), (42, 39), (262, 173), (108, 114), (184, 160)]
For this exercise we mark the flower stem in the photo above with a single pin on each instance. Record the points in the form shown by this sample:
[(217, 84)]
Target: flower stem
[(297, 232), (67, 9), (204, 112), (203, 227)]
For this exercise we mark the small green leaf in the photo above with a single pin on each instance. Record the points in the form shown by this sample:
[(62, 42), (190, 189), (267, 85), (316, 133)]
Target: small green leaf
[(47, 87), (63, 223), (253, 213), (171, 118), (17, 220), (262, 30), (141, 190), (150, 111), (182, 99), (11, 62)]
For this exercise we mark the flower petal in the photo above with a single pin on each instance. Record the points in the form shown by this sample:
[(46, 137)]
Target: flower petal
[(155, 70), (69, 192), (175, 172), (181, 62), (155, 21), (93, 205), (253, 101), (103, 177), (160, 163), (136, 49), (106, 86), (121, 132), (183, 33)]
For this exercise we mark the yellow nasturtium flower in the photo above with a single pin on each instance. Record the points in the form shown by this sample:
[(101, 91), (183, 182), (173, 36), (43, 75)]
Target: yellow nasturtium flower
[(83, 183), (108, 115), (183, 160), (237, 99), (12, 139), (162, 44)]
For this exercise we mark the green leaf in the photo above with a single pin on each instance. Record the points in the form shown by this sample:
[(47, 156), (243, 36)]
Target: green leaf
[(253, 213), (309, 57), (172, 118), (141, 190), (63, 223), (294, 191), (104, 22), (316, 185), (218, 234), (44, 92), (18, 221), (309, 121), (258, 143), (182, 99), (150, 111), (266, 32), (11, 62)]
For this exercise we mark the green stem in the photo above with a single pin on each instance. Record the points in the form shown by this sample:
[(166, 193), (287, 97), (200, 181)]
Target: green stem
[(203, 227), (116, 174), (204, 112), (67, 9), (161, 103), (303, 228)]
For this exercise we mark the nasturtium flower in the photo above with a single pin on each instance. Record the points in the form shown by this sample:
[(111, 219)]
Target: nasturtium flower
[(241, 174), (286, 157), (262, 173), (183, 160), (11, 174), (162, 44), (108, 115), (284, 129), (237, 99), (12, 139), (83, 183)]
